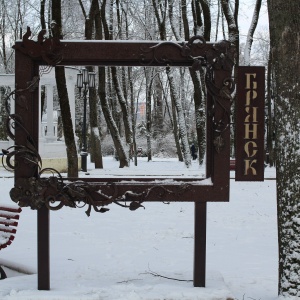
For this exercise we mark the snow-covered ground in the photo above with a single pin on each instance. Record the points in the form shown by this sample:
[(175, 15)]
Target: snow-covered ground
[(111, 255)]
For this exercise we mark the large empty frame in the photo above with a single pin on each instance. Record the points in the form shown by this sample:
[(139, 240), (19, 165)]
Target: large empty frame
[(40, 192)]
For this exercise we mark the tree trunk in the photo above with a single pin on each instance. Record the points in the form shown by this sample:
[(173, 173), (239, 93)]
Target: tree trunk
[(233, 32), (133, 115), (103, 96), (174, 124), (175, 131), (160, 10), (196, 11), (199, 115), (207, 18), (173, 23), (251, 31), (158, 122), (42, 13), (109, 120), (148, 112), (185, 22), (284, 34), (3, 38), (112, 100), (270, 128), (181, 120), (96, 150), (198, 98), (95, 141), (123, 104), (63, 97)]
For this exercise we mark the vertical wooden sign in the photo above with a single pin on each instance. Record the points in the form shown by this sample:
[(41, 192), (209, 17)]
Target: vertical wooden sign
[(250, 129)]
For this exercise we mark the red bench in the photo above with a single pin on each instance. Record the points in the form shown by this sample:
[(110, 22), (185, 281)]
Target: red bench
[(9, 217)]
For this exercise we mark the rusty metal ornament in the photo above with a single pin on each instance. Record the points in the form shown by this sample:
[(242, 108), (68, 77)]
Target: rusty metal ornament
[(51, 190), (153, 53), (221, 56), (28, 152), (219, 143), (48, 49), (55, 193)]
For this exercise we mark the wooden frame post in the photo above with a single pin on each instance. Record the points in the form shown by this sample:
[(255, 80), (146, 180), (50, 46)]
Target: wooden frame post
[(200, 244), (43, 248)]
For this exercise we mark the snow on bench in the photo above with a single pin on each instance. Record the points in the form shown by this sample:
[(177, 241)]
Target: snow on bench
[(9, 217)]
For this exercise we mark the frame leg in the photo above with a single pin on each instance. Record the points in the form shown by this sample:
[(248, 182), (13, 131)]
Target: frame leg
[(43, 254), (200, 244)]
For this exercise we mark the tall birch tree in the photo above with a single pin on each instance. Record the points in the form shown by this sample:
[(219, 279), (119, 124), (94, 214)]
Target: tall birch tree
[(161, 9), (251, 31)]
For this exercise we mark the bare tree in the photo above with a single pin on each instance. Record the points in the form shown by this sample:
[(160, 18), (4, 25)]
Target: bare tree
[(149, 81), (3, 34), (251, 31), (233, 31), (181, 120), (96, 152), (123, 104), (284, 37), (103, 96), (63, 96), (160, 9)]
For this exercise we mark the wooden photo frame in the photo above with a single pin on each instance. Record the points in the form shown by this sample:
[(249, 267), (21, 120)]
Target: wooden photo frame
[(45, 193)]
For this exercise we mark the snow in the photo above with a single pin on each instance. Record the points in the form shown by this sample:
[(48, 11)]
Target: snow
[(111, 255), (157, 167)]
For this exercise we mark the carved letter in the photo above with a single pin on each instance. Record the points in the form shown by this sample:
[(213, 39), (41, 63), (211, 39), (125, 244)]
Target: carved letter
[(248, 131), (253, 147), (249, 98), (248, 81), (254, 114), (248, 166)]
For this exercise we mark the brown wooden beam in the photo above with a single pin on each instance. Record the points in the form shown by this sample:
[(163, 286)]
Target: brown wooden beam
[(200, 244), (127, 53)]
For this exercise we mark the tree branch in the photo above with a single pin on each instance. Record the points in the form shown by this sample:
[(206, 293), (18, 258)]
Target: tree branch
[(161, 276)]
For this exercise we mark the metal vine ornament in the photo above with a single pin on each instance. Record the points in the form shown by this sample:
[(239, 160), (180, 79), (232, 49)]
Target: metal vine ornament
[(48, 187)]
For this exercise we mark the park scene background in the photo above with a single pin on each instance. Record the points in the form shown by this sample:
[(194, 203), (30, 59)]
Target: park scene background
[(258, 220)]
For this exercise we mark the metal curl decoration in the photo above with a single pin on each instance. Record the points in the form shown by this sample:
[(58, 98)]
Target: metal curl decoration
[(159, 190), (54, 192), (154, 51), (224, 92), (28, 151), (184, 48), (47, 188), (48, 49), (29, 156), (222, 122), (221, 56)]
